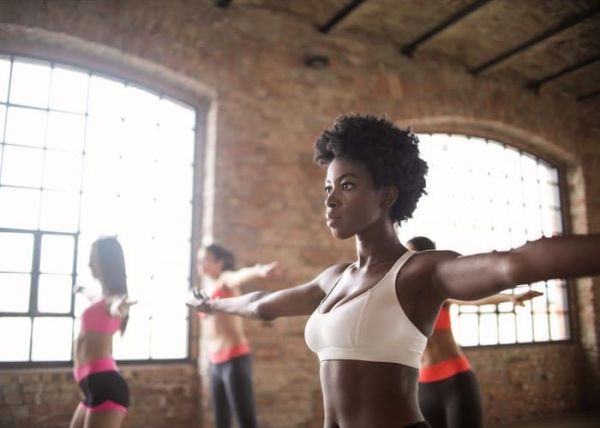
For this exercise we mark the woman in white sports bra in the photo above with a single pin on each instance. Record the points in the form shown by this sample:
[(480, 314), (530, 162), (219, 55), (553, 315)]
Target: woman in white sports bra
[(370, 319)]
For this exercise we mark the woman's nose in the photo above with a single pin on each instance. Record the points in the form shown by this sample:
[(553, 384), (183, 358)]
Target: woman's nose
[(331, 200)]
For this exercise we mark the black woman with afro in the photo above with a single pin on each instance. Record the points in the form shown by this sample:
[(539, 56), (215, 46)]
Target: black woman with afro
[(370, 318)]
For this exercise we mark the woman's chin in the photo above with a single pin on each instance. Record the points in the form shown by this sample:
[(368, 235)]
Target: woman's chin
[(340, 234)]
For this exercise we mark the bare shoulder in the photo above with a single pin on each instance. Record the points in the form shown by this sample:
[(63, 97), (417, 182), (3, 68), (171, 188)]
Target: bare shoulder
[(425, 262), (327, 278)]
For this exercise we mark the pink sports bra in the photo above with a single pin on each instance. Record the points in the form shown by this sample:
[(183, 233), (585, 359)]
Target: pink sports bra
[(370, 327), (96, 318)]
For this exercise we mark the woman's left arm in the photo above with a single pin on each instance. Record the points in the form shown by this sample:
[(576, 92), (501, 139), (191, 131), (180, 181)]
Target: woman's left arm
[(480, 275), (118, 306)]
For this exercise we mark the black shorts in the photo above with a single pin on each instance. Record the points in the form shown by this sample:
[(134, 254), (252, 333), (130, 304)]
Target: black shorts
[(105, 391)]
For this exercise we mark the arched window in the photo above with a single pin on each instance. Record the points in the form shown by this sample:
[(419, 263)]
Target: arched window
[(83, 155), (484, 195)]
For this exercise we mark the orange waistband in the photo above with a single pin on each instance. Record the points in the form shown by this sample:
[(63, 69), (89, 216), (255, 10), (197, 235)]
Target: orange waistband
[(227, 354), (444, 370)]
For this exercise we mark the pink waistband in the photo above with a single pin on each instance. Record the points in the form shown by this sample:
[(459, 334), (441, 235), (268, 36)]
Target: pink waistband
[(102, 365), (444, 370), (227, 354), (106, 405)]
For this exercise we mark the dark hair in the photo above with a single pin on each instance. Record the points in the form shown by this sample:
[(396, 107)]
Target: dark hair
[(223, 254), (391, 155), (421, 243), (111, 262)]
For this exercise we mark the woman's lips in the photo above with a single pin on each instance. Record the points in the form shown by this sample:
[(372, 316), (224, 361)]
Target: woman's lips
[(332, 219)]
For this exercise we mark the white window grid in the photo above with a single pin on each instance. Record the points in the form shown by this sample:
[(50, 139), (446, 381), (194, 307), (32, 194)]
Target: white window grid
[(83, 155)]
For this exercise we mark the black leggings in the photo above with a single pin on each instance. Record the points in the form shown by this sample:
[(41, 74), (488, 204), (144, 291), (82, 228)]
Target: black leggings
[(452, 403), (231, 388)]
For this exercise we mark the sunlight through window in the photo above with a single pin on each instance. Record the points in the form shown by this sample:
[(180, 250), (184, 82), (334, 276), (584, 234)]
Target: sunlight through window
[(84, 155), (482, 196)]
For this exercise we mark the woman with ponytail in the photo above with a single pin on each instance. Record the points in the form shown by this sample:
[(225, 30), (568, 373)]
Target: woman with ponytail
[(104, 391)]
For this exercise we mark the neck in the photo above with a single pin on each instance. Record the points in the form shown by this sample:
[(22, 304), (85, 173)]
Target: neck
[(378, 244)]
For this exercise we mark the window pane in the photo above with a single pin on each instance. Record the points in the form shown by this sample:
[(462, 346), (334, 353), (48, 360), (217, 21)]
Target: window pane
[(103, 93), (26, 127), (52, 339), (488, 329), (524, 325), (4, 77), (540, 327), (16, 332), (559, 326), (507, 328), (54, 293), (69, 90), (14, 292), (30, 83), (135, 343), (16, 252), (169, 337), (20, 208), (60, 211), (65, 131), (468, 329), (22, 166), (56, 255), (62, 170), (173, 114), (2, 122)]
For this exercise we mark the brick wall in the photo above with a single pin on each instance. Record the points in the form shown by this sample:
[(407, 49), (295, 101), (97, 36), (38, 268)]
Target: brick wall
[(267, 109)]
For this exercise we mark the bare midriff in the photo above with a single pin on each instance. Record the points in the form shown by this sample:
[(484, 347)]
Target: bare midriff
[(358, 394), (223, 332), (92, 346), (441, 346)]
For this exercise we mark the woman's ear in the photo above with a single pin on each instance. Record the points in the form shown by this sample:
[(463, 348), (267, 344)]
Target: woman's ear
[(388, 196)]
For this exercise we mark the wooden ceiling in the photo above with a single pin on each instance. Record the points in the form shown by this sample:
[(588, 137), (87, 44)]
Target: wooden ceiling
[(546, 44)]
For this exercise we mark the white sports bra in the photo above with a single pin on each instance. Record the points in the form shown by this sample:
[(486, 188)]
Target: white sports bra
[(370, 327)]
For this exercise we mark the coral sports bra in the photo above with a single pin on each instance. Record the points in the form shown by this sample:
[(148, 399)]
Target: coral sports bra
[(370, 327), (97, 318), (443, 320)]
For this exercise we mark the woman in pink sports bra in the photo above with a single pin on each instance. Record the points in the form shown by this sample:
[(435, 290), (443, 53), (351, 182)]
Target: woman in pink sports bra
[(449, 394), (105, 395), (369, 320)]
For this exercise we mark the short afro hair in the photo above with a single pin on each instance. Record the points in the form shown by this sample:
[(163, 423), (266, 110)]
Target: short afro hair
[(391, 155)]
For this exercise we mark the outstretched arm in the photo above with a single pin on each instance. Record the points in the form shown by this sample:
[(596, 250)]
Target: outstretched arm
[(243, 276), (480, 275), (515, 299), (118, 306), (268, 305)]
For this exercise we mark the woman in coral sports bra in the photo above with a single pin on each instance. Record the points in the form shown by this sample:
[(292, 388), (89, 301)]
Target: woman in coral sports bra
[(370, 319), (449, 394), (228, 348), (104, 391)]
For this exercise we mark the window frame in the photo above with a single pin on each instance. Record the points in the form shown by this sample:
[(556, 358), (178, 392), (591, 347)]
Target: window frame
[(569, 289), (151, 81)]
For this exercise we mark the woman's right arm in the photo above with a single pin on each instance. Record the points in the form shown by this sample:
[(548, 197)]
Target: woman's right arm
[(268, 305)]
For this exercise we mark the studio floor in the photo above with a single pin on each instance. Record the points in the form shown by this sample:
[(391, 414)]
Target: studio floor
[(581, 420)]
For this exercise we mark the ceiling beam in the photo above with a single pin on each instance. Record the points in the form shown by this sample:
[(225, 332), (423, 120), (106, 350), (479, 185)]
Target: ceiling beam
[(535, 85), (561, 26), (341, 14), (588, 95), (410, 48), (222, 3)]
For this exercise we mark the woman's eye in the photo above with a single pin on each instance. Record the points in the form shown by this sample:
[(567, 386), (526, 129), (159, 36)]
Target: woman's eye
[(347, 186), (327, 190)]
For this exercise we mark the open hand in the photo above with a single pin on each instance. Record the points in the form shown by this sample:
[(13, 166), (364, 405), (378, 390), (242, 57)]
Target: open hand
[(200, 301), (518, 299), (271, 271)]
